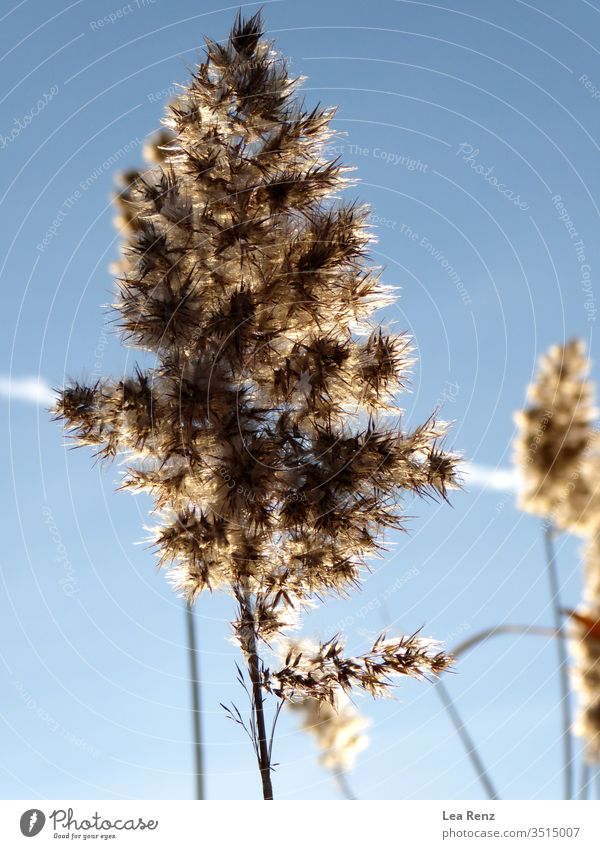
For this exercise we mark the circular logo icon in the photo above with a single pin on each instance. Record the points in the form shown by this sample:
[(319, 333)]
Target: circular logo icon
[(32, 822)]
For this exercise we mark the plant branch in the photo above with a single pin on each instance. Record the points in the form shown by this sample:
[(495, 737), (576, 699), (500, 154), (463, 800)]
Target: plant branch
[(563, 668), (499, 630), (466, 739)]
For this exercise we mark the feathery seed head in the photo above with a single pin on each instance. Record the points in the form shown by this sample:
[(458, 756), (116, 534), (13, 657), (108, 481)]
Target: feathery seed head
[(555, 433), (585, 648), (249, 283), (338, 730)]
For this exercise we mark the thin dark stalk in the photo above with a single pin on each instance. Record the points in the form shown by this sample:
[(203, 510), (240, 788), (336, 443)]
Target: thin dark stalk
[(254, 671), (195, 687), (341, 779), (562, 660), (467, 741), (586, 774)]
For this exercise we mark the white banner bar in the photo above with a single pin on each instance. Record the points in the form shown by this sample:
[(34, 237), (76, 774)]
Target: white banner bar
[(291, 825)]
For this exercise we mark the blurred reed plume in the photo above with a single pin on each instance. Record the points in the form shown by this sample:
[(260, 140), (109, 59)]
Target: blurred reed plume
[(585, 647), (556, 442), (556, 452), (267, 430), (338, 730)]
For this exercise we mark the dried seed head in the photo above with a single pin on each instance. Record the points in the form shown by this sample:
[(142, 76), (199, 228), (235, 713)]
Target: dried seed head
[(555, 436), (585, 648), (338, 730), (262, 428), (320, 672)]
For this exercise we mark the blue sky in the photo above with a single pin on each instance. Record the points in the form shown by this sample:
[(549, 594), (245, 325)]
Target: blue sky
[(489, 261)]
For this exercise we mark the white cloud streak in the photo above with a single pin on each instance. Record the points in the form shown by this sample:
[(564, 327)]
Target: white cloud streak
[(32, 390), (35, 390), (490, 477)]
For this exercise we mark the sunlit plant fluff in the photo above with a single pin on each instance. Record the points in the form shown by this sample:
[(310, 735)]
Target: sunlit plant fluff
[(267, 430), (337, 728), (585, 648), (554, 446), (336, 725)]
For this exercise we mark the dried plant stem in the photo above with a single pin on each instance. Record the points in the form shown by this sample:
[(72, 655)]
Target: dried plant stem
[(264, 760), (467, 741), (254, 670), (195, 687), (499, 630), (341, 779), (562, 659), (586, 774)]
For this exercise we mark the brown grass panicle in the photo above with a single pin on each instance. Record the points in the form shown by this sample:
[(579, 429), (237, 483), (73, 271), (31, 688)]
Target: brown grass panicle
[(268, 429), (556, 442), (585, 649)]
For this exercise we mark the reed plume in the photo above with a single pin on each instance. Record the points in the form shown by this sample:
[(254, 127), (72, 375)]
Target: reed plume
[(267, 430), (556, 452), (338, 730), (556, 442), (585, 648)]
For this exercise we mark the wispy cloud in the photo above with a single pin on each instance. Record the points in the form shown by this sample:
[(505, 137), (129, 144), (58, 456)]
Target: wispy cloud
[(490, 477), (33, 390)]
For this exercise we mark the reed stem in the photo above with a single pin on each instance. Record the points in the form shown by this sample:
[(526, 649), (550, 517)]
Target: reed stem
[(341, 779), (254, 670), (498, 631), (563, 667), (586, 775), (195, 688), (467, 740)]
